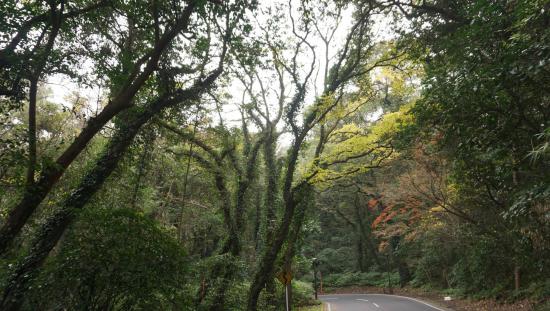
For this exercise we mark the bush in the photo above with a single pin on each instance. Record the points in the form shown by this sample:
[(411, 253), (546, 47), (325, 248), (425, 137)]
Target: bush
[(545, 306), (373, 278), (336, 260), (302, 294), (115, 260), (220, 275), (484, 269)]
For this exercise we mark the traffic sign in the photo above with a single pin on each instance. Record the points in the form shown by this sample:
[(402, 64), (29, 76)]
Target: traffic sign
[(284, 277)]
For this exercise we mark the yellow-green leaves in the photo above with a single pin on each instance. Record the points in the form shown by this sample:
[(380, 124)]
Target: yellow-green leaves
[(353, 149)]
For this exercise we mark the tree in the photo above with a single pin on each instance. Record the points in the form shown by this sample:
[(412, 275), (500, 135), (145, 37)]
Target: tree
[(350, 64), (126, 83), (484, 98), (51, 232)]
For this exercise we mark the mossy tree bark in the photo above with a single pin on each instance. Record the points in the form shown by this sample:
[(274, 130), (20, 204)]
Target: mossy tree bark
[(33, 196), (50, 233)]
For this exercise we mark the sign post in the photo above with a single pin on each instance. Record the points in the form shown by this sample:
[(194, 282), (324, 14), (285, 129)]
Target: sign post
[(285, 277), (287, 296), (315, 264)]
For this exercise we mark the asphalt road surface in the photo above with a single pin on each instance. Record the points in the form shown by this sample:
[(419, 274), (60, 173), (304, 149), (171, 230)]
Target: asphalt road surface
[(375, 302)]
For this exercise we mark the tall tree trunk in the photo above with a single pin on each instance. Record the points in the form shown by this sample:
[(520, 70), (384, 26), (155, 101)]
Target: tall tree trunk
[(56, 17), (365, 233), (305, 199), (31, 167), (266, 265), (270, 204), (257, 222), (271, 182), (265, 268), (246, 178)]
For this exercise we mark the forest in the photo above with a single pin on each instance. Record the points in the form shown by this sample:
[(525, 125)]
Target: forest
[(196, 154)]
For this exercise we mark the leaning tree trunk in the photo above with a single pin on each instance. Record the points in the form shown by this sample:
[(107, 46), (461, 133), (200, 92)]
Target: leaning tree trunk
[(34, 195), (50, 233), (55, 226)]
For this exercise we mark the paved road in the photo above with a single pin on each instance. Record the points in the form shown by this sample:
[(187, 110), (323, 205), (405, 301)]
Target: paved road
[(375, 302)]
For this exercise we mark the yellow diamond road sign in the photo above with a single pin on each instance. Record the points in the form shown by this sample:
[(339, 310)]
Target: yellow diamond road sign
[(284, 277)]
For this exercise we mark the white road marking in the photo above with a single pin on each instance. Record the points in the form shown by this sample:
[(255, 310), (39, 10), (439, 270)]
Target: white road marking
[(331, 298), (329, 309), (376, 305), (362, 300)]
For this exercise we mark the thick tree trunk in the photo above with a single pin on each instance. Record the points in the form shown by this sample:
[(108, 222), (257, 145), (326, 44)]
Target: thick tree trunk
[(304, 201), (257, 222), (270, 205), (271, 183), (245, 180), (365, 234), (266, 265), (265, 268), (361, 236)]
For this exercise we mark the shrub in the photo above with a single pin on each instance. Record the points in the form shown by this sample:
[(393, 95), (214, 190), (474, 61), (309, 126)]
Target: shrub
[(302, 294), (373, 278), (116, 260), (336, 260)]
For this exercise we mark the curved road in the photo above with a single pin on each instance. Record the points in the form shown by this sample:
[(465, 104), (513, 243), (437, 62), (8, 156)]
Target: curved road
[(375, 302)]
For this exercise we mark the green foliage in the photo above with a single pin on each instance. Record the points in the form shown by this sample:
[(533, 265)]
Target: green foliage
[(353, 141), (235, 297), (471, 272), (373, 278), (302, 293), (433, 160), (486, 100), (466, 262), (484, 107), (336, 260), (220, 275), (113, 259)]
